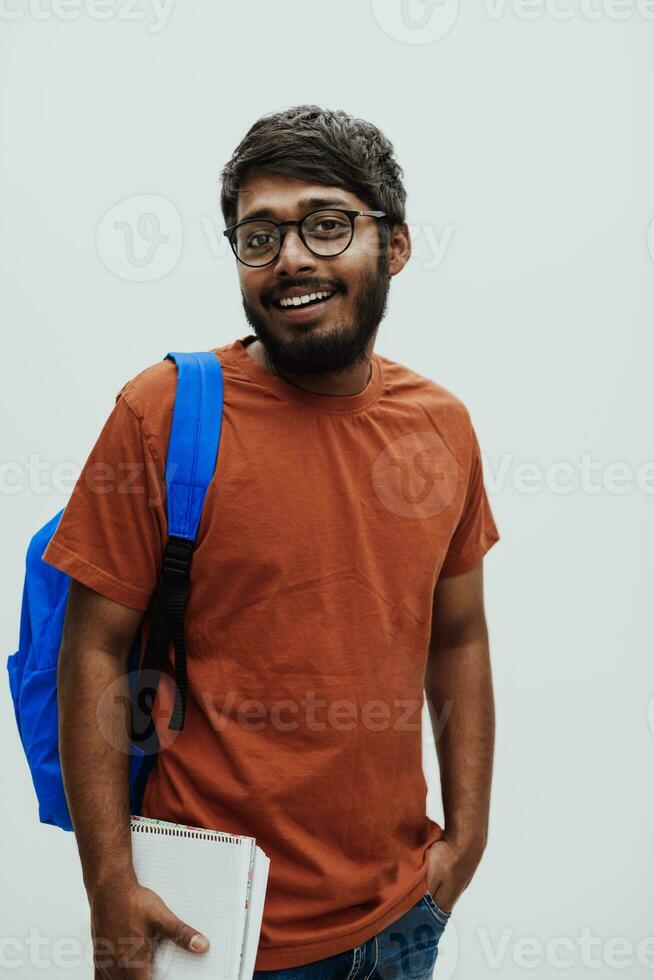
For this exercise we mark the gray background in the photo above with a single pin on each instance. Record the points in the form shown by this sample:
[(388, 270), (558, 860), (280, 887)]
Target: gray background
[(525, 134)]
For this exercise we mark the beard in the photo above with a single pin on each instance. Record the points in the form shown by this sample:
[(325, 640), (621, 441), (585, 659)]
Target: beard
[(337, 348)]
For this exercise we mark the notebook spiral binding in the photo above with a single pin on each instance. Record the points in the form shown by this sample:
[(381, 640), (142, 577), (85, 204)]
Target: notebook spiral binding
[(200, 833)]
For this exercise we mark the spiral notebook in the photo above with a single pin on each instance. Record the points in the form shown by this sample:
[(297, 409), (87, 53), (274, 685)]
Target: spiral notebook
[(216, 882)]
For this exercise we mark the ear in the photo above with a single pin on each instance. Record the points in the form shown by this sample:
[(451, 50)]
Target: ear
[(399, 249)]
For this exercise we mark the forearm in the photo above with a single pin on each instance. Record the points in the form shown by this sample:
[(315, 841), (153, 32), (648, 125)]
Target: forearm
[(459, 692), (94, 749)]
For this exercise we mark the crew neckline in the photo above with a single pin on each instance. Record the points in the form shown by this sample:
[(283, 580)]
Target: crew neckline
[(336, 404)]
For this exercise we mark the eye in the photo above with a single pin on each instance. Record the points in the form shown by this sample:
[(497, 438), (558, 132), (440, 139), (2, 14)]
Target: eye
[(327, 224), (258, 240)]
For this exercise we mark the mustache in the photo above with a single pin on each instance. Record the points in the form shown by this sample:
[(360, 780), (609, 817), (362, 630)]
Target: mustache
[(311, 286)]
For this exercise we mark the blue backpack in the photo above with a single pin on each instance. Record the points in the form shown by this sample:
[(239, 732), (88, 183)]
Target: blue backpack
[(190, 464)]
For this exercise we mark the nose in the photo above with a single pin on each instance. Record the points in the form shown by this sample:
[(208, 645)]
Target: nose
[(293, 256)]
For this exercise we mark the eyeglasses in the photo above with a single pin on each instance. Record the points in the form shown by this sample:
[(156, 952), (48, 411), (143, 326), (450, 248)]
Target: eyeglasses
[(258, 241)]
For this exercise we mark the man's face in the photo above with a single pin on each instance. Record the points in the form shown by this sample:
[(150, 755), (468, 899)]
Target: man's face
[(338, 332)]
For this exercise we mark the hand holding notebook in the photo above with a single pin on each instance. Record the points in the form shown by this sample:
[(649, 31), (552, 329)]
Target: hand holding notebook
[(215, 882)]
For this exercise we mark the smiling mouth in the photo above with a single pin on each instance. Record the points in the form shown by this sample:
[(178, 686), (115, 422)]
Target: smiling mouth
[(301, 302), (310, 309)]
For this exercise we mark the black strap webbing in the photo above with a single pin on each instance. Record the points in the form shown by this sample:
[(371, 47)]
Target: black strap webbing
[(167, 625)]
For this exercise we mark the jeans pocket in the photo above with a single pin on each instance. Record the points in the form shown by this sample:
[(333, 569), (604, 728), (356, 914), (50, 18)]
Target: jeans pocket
[(407, 949), (441, 916)]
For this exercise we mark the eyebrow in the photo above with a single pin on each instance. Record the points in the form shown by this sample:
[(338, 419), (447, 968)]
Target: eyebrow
[(306, 204)]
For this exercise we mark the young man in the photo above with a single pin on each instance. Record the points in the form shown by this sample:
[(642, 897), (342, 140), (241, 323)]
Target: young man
[(337, 576)]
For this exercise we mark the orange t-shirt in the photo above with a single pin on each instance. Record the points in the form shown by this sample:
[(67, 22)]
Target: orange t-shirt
[(324, 531)]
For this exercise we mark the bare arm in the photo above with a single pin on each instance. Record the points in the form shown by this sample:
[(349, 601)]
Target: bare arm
[(93, 740), (126, 918), (459, 693)]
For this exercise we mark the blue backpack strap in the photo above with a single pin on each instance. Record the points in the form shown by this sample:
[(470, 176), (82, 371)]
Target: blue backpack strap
[(194, 439), (190, 464)]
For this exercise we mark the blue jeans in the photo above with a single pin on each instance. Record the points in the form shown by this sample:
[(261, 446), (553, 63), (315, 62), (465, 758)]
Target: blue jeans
[(405, 950)]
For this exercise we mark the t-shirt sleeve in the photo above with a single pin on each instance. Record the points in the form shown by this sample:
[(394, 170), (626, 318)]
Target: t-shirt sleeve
[(476, 531), (112, 532)]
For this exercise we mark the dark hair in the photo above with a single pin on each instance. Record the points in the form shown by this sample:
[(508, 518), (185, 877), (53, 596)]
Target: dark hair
[(321, 146)]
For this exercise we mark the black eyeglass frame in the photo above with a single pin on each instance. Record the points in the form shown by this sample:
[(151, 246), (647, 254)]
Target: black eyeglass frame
[(297, 223)]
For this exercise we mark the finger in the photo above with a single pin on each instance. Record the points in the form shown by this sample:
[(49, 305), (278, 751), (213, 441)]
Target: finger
[(181, 933)]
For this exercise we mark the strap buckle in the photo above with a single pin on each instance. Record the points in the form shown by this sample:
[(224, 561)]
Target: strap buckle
[(177, 558)]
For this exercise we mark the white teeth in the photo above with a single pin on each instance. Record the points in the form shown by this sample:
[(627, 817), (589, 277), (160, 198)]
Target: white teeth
[(301, 300)]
